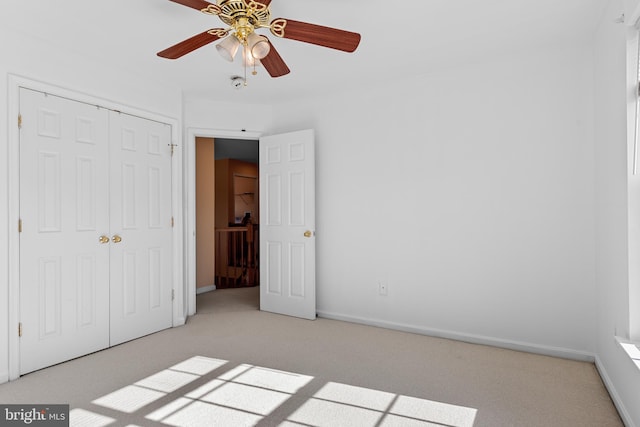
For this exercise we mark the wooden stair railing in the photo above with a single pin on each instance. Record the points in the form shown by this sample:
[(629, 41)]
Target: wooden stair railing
[(236, 256)]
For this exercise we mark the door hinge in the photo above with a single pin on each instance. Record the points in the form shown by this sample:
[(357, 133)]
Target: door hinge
[(173, 146), (172, 222), (19, 121), (19, 226), (173, 294), (20, 329)]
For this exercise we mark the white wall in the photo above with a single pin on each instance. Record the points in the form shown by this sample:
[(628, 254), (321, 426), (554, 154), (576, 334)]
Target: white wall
[(612, 211), (219, 116), (36, 60), (629, 7), (471, 191)]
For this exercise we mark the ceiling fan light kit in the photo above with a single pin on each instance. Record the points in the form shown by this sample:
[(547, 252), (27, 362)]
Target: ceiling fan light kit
[(228, 48), (243, 18), (259, 46)]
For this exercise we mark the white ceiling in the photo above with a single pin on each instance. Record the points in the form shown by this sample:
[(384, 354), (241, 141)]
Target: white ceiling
[(400, 39)]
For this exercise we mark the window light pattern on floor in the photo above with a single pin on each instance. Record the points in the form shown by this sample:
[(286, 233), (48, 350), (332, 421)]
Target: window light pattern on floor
[(340, 404), (190, 394), (133, 397), (240, 397)]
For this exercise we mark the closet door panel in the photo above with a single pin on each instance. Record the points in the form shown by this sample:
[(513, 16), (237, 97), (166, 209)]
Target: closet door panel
[(64, 195), (141, 246)]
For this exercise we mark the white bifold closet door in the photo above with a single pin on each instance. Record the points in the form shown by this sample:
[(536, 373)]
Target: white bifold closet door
[(140, 215), (95, 241)]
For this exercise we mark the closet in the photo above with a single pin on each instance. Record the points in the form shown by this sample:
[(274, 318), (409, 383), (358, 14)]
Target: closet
[(95, 228)]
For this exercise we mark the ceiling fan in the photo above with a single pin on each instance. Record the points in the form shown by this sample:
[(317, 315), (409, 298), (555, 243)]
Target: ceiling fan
[(243, 18)]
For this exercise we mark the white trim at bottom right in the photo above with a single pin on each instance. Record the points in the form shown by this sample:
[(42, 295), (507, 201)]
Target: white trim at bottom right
[(564, 353), (615, 397)]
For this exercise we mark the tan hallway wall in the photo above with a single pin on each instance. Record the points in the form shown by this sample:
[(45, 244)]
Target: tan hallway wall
[(205, 212)]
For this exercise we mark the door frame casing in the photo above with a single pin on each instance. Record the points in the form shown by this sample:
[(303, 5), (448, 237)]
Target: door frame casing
[(190, 209), (15, 82)]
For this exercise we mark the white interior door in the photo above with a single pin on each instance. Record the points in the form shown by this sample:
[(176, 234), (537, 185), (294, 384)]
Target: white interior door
[(141, 236), (64, 274), (287, 224)]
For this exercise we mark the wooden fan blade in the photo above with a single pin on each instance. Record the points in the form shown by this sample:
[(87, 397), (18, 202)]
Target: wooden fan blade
[(274, 64), (264, 2), (191, 44), (195, 4), (315, 34)]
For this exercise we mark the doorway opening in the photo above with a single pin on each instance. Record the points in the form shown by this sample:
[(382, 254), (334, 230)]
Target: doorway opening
[(227, 214)]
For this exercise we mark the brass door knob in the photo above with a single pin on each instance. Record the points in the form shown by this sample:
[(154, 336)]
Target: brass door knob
[(308, 233), (116, 239), (103, 239)]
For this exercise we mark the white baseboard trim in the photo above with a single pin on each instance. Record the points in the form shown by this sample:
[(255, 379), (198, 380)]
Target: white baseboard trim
[(204, 289), (615, 397), (564, 353), (4, 377)]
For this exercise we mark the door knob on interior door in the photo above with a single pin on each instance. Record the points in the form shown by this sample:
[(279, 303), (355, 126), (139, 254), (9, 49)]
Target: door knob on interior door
[(308, 233), (103, 239), (116, 239)]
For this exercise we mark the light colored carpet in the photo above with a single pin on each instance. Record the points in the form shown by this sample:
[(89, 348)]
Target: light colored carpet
[(232, 365)]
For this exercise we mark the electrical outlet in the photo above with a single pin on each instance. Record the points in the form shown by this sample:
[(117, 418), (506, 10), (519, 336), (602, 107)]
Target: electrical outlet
[(383, 287)]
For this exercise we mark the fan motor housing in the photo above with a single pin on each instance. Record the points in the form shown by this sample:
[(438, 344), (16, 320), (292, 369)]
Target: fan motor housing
[(256, 13)]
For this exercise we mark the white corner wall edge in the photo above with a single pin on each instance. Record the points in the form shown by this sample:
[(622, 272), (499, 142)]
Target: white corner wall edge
[(564, 353), (633, 18), (179, 321), (622, 410)]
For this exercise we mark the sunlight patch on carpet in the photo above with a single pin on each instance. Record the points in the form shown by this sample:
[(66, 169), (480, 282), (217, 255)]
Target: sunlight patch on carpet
[(241, 396), (340, 404), (244, 395), (131, 398), (83, 418)]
